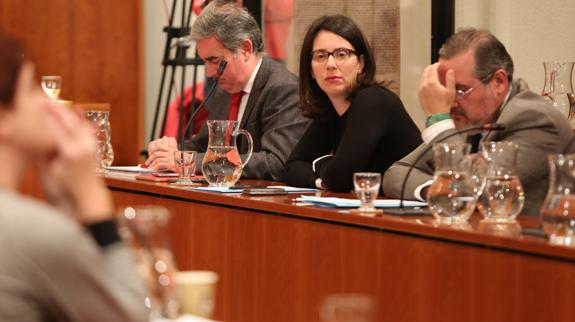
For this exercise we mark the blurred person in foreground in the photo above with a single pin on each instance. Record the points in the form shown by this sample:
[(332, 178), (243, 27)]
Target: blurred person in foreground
[(265, 90), (62, 260), (359, 125), (472, 84)]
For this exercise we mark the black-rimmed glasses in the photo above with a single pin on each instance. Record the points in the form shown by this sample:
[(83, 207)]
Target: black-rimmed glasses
[(340, 55)]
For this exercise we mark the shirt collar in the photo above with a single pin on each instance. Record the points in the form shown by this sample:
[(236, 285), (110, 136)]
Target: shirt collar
[(506, 97), (250, 83)]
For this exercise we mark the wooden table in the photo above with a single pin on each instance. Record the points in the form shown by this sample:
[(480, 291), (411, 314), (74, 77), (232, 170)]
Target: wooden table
[(277, 260)]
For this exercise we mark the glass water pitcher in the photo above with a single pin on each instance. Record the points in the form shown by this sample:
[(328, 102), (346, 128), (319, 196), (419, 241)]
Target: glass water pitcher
[(104, 150), (503, 197), (222, 166), (452, 195), (558, 88), (558, 209)]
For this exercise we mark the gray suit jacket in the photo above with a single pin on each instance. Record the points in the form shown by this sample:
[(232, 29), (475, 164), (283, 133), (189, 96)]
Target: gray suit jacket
[(272, 116), (524, 109)]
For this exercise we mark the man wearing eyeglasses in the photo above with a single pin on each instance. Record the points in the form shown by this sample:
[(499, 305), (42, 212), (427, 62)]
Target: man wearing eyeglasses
[(254, 90), (471, 85)]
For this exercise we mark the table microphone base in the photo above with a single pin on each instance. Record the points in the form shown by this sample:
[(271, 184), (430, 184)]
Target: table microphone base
[(407, 211)]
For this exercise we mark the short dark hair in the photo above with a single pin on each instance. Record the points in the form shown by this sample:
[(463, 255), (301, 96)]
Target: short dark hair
[(11, 61), (314, 102), (489, 53)]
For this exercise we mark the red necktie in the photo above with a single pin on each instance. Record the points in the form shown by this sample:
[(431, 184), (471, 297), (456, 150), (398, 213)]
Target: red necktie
[(235, 106)]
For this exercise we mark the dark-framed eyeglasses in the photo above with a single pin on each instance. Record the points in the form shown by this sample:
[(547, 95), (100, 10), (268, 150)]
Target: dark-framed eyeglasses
[(340, 55)]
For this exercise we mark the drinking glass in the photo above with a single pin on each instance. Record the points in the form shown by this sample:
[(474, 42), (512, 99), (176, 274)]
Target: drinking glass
[(185, 165), (51, 86), (366, 186)]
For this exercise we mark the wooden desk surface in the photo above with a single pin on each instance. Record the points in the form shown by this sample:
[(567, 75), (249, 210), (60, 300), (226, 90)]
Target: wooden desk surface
[(278, 260)]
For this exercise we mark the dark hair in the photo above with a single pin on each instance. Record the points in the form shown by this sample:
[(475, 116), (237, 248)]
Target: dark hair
[(489, 53), (11, 61), (314, 102)]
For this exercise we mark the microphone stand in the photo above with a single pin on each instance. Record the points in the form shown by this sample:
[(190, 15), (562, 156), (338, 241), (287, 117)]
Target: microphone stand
[(176, 37), (189, 125), (401, 210)]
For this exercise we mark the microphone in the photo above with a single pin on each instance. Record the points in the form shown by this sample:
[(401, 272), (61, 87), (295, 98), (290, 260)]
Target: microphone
[(219, 72), (418, 211)]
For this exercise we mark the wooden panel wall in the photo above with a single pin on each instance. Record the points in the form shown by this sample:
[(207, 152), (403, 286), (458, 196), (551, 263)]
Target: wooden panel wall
[(96, 46)]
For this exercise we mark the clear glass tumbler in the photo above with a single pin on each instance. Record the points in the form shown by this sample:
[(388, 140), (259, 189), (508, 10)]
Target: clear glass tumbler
[(185, 162), (51, 86), (366, 186)]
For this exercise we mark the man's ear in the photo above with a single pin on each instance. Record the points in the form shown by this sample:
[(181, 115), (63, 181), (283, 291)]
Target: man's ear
[(246, 47), (500, 81)]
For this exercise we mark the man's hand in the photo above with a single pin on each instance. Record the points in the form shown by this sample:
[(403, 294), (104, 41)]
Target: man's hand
[(434, 97), (162, 154)]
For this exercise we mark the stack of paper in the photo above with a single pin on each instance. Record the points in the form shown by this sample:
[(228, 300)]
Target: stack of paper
[(231, 190), (354, 203)]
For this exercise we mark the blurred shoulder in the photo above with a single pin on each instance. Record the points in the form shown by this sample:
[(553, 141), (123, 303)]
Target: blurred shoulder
[(34, 228)]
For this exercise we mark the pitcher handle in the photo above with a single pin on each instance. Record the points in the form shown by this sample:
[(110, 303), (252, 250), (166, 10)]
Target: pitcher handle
[(250, 144)]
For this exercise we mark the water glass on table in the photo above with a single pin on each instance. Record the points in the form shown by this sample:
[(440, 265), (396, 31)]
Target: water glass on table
[(185, 162), (366, 185), (51, 86)]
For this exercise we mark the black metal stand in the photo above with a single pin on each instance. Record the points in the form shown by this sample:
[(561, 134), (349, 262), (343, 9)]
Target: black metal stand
[(176, 37)]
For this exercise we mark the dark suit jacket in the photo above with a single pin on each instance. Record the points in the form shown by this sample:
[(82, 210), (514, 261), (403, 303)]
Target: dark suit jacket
[(524, 109), (272, 116)]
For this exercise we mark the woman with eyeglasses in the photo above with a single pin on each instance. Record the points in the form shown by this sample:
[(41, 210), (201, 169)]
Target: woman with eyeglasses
[(358, 125)]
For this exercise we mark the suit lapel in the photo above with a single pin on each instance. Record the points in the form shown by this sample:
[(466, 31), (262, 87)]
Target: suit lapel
[(259, 83)]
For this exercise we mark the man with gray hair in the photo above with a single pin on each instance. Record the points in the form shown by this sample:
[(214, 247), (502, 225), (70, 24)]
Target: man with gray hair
[(267, 93), (471, 85)]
